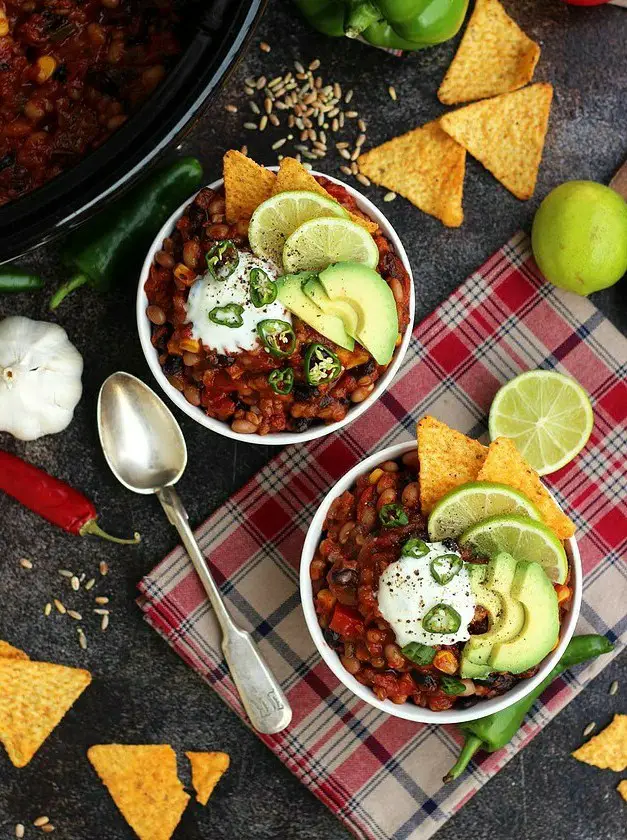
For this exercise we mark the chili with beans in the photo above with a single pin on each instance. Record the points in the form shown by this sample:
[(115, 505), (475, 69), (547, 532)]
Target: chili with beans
[(358, 544), (71, 72), (295, 377)]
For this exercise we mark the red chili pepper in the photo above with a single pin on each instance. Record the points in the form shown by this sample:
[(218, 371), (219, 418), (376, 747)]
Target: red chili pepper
[(51, 498), (347, 622)]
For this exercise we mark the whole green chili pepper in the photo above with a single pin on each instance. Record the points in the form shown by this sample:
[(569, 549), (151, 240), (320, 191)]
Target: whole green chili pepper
[(491, 733), (18, 280), (109, 248)]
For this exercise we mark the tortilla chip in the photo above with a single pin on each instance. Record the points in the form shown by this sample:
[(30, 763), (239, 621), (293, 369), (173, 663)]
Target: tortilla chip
[(506, 134), (7, 651), (608, 749), (292, 175), (34, 696), (447, 459), (246, 185), (207, 770), (426, 167), (144, 784), (622, 789), (495, 56), (505, 465)]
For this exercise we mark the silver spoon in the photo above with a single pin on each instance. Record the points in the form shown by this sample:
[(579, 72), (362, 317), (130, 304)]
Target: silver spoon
[(145, 448)]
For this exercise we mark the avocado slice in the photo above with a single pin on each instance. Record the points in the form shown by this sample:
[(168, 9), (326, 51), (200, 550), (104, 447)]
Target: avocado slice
[(342, 309), (372, 299), (507, 616), (292, 296), (534, 591)]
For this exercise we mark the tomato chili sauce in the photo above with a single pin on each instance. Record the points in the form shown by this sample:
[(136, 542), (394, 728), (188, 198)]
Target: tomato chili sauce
[(235, 388), (353, 553), (71, 72)]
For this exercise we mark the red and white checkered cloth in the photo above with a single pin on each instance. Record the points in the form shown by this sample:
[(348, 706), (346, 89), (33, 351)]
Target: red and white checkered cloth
[(380, 775)]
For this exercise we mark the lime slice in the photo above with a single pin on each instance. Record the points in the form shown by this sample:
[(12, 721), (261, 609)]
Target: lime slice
[(320, 242), (279, 216), (523, 538), (473, 502), (546, 414)]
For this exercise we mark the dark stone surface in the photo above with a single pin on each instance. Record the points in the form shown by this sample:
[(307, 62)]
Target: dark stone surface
[(142, 692)]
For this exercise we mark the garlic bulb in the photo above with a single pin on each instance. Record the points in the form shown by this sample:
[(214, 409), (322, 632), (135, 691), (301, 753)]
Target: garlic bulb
[(40, 378)]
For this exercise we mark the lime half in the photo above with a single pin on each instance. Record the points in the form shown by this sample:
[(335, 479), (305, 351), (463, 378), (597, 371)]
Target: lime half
[(546, 414), (524, 539), (320, 242), (473, 502), (279, 216)]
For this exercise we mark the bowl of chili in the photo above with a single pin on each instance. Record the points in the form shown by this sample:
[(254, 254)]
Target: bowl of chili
[(290, 380), (391, 677)]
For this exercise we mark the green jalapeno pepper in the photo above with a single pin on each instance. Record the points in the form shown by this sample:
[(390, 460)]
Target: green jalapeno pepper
[(110, 248), (229, 315), (263, 290), (390, 24), (442, 618), (278, 337), (393, 516), (418, 653), (282, 381), (15, 280), (415, 548), (222, 259), (321, 365), (491, 733), (445, 567)]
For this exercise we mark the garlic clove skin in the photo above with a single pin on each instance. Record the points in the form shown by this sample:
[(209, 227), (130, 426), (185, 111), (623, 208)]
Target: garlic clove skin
[(40, 378)]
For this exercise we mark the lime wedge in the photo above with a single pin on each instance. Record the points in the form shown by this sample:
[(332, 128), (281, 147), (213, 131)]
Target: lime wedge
[(473, 502), (320, 242), (279, 216), (546, 414), (524, 539)]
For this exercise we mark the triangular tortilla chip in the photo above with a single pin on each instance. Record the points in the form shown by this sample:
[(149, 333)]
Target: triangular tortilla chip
[(34, 696), (495, 56), (246, 185), (425, 166), (207, 770), (144, 784), (7, 651), (608, 749), (505, 465), (446, 458), (292, 175), (622, 789), (506, 134)]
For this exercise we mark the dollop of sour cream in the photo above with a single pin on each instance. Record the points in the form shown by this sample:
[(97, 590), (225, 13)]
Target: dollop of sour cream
[(408, 590), (207, 293)]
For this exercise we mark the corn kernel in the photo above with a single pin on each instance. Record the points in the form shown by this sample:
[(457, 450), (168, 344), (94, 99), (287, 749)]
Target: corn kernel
[(4, 24), (184, 274), (562, 592), (190, 345), (445, 661), (46, 65), (375, 475)]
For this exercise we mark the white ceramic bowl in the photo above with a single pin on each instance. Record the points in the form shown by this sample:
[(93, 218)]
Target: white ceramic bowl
[(409, 711), (277, 438)]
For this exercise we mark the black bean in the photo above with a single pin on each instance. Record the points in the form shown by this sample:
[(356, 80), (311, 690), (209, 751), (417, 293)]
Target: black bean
[(303, 392), (301, 424), (450, 544), (365, 370), (4, 67), (173, 365), (345, 577), (7, 160), (466, 702), (224, 361), (60, 74), (332, 638), (325, 401), (426, 681)]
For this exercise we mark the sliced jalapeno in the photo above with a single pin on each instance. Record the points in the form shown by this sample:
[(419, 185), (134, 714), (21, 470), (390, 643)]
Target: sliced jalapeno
[(263, 290), (222, 259), (278, 336), (393, 516), (445, 567), (229, 315), (415, 548), (282, 381), (442, 619), (452, 686), (321, 365)]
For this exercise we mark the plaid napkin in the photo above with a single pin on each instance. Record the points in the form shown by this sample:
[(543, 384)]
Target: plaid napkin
[(380, 775)]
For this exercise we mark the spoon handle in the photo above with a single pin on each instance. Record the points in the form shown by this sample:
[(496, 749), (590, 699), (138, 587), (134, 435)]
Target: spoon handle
[(260, 693)]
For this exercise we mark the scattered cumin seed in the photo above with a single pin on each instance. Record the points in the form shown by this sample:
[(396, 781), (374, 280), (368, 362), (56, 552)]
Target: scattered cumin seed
[(355, 153), (90, 584), (351, 114), (299, 67), (279, 143), (335, 125), (314, 64), (48, 828), (249, 91), (267, 105), (66, 573), (307, 165), (392, 92), (261, 83), (19, 831), (354, 168), (589, 728), (48, 608), (75, 615), (75, 583), (101, 612), (103, 567), (232, 109), (613, 688), (263, 122), (349, 96), (346, 170), (104, 623), (274, 120), (250, 126), (25, 563), (82, 638), (264, 47), (59, 606), (361, 140), (250, 81), (389, 196), (244, 151), (81, 577), (41, 821), (275, 82), (345, 154), (254, 107), (362, 179), (361, 125)]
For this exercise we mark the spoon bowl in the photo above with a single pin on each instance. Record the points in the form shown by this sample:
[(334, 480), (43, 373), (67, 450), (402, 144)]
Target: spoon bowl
[(140, 438)]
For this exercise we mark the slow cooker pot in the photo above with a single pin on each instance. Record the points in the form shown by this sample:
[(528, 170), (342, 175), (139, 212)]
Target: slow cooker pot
[(221, 32)]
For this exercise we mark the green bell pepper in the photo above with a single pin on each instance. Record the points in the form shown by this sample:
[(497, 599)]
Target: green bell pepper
[(391, 24)]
